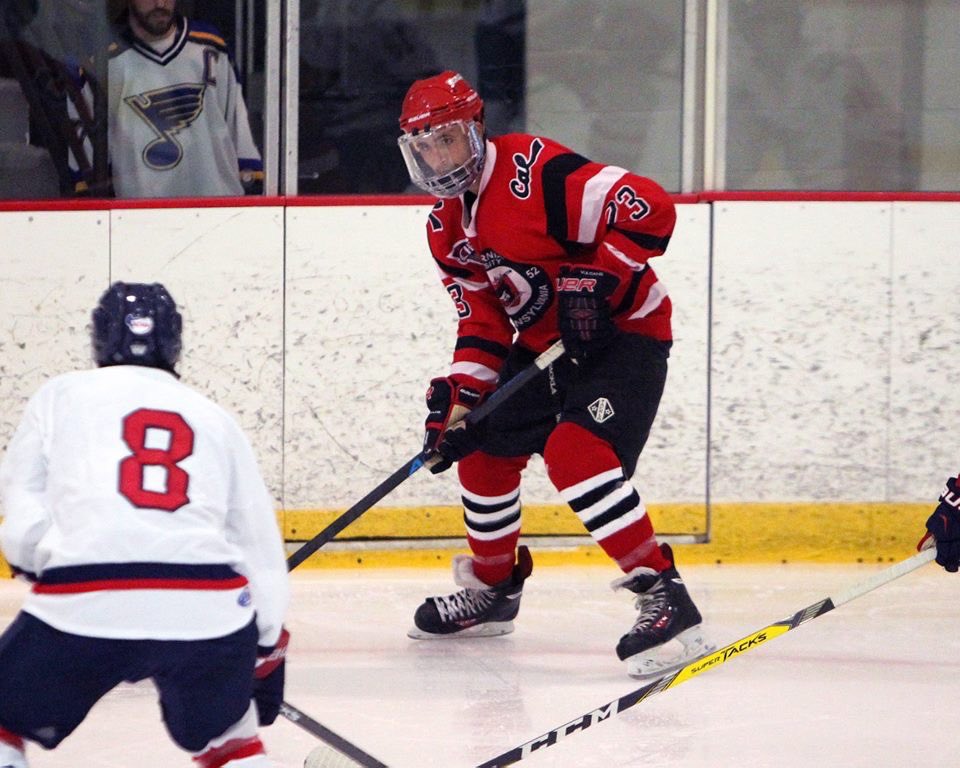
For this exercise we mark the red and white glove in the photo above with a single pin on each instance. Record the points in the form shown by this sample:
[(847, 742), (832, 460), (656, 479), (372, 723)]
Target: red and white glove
[(943, 528), (268, 678), (449, 400)]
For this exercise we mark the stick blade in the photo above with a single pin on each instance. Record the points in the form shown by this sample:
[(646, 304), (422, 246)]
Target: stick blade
[(325, 756)]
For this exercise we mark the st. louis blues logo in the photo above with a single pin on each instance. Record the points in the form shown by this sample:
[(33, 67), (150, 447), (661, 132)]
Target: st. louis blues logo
[(167, 111)]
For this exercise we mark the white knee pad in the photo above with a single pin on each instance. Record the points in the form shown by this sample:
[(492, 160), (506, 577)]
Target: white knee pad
[(237, 747)]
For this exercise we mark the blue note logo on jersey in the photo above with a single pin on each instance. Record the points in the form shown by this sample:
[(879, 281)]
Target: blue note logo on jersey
[(167, 111)]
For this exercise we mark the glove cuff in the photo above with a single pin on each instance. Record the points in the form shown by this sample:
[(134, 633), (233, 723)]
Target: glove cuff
[(466, 380), (466, 390), (268, 659)]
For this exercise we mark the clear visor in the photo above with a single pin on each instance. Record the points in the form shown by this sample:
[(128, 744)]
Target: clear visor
[(446, 160)]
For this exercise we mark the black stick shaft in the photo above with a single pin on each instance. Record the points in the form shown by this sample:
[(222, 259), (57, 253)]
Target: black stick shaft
[(327, 736)]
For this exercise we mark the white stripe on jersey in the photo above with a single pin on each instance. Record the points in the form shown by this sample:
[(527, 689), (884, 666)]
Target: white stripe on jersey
[(655, 297), (594, 193), (476, 370), (146, 613), (632, 263)]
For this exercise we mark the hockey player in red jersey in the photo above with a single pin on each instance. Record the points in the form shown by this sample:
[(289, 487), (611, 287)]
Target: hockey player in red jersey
[(534, 242), (135, 507)]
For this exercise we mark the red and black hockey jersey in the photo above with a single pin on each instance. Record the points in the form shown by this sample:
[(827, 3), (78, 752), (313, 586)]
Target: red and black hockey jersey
[(540, 207)]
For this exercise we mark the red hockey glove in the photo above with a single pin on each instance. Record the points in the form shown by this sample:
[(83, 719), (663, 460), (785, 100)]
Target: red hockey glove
[(268, 678), (449, 400), (943, 528), (583, 311)]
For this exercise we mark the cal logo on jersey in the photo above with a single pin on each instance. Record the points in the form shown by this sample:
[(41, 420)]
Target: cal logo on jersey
[(520, 185), (524, 290), (167, 111)]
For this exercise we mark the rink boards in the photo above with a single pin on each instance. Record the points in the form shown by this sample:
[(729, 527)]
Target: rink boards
[(809, 380)]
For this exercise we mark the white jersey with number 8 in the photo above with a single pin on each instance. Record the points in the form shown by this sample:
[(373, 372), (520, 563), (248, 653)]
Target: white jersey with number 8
[(137, 505)]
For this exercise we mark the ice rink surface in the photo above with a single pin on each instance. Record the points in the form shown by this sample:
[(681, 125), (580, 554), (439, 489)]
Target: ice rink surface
[(872, 683)]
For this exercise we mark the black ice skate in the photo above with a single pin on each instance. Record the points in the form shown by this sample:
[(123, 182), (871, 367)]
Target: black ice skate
[(477, 610), (666, 613)]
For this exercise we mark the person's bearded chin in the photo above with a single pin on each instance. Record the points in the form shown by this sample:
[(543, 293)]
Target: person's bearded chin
[(156, 22)]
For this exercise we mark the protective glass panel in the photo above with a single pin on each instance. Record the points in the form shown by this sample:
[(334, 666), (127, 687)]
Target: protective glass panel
[(160, 110), (605, 78), (359, 57), (825, 94)]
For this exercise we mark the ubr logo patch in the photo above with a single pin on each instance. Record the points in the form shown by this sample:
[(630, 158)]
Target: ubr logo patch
[(601, 410)]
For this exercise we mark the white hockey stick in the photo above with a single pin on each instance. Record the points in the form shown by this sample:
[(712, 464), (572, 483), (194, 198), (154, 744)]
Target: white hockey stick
[(709, 661)]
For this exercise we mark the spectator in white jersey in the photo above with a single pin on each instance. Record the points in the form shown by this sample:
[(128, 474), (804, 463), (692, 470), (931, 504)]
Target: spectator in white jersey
[(136, 508), (178, 121)]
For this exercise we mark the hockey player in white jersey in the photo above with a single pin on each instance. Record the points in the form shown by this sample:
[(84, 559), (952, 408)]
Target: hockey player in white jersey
[(178, 121), (136, 508)]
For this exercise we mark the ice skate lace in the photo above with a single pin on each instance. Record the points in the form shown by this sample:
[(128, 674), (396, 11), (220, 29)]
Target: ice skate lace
[(463, 604), (651, 605)]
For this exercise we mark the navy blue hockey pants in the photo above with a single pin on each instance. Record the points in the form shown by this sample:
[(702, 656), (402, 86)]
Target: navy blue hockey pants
[(49, 680)]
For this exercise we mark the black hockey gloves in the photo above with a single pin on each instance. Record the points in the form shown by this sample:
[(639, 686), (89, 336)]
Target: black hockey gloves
[(943, 528), (583, 311), (268, 679), (449, 400)]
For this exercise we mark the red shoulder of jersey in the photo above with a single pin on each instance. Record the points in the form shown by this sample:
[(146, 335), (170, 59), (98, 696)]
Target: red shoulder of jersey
[(586, 203)]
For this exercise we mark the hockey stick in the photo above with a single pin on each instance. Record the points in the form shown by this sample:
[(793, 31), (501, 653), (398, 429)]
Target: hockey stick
[(483, 410), (294, 715), (709, 661), (347, 755)]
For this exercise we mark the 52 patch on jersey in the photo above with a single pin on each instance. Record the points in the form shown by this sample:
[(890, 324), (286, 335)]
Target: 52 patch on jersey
[(525, 290)]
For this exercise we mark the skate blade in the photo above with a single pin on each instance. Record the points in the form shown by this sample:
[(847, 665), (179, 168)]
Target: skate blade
[(667, 657), (490, 629)]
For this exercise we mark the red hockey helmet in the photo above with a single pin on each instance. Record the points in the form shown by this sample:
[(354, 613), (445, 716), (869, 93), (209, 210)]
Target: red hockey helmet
[(443, 141), (438, 100)]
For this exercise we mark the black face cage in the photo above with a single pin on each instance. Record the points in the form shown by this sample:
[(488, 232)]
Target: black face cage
[(114, 340)]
